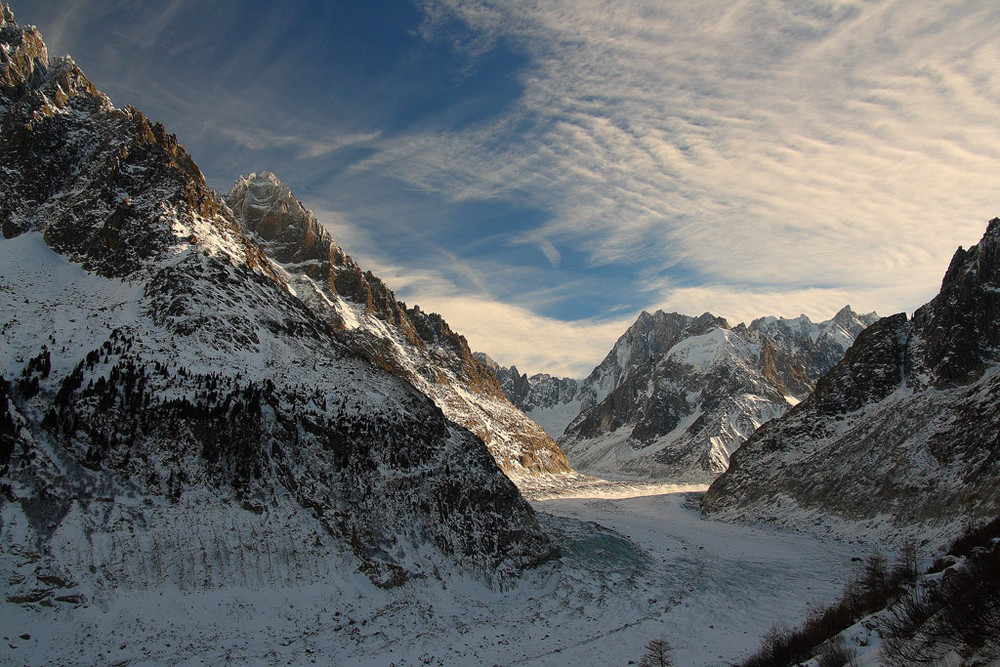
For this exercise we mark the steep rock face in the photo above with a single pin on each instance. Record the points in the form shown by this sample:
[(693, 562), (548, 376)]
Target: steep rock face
[(956, 337), (418, 346), (649, 338), (677, 394), (160, 381), (901, 434)]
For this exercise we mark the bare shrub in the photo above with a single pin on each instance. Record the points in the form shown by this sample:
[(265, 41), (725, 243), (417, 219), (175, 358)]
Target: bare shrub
[(971, 609), (836, 653), (875, 587), (908, 639), (962, 614)]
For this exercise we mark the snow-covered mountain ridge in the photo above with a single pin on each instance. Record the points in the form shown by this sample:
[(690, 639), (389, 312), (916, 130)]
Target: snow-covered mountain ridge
[(418, 346), (166, 397), (902, 433), (677, 394)]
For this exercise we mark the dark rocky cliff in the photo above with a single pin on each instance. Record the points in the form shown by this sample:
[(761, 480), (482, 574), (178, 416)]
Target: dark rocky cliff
[(902, 433)]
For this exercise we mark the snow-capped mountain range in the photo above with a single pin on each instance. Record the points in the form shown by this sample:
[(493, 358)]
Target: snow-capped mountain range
[(676, 395), (176, 409), (222, 440), (551, 402), (901, 433)]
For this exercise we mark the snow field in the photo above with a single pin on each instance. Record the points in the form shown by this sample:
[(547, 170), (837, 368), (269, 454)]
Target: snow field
[(632, 568)]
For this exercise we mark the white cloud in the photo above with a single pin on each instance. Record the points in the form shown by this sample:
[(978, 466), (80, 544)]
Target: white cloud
[(551, 252), (535, 344), (843, 145), (257, 137), (787, 157)]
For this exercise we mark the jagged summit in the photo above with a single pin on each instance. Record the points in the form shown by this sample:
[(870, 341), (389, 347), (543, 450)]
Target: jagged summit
[(819, 345), (675, 396), (956, 333), (902, 433), (80, 171), (23, 52), (267, 208), (677, 393)]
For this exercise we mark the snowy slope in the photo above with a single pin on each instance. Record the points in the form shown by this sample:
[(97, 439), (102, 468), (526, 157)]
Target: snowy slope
[(631, 569)]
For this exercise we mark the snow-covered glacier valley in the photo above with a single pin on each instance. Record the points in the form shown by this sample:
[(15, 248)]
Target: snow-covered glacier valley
[(637, 562)]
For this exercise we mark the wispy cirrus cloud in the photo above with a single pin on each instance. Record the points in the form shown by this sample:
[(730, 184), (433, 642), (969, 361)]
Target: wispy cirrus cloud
[(261, 138), (787, 148)]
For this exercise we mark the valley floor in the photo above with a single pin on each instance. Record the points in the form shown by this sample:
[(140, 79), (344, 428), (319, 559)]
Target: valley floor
[(638, 563)]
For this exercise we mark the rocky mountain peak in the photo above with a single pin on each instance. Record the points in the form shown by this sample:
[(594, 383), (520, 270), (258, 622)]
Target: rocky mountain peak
[(162, 374), (267, 207), (487, 361), (78, 170), (687, 391), (23, 54), (845, 316), (819, 345), (955, 334), (27, 78), (406, 341), (652, 335), (870, 370)]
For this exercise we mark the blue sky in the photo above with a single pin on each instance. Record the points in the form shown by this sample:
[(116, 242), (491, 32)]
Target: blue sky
[(540, 172)]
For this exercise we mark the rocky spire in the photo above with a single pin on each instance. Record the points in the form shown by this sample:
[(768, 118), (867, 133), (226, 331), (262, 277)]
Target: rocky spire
[(23, 55), (956, 334)]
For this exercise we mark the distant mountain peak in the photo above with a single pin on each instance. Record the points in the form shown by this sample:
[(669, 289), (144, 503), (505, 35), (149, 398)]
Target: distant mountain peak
[(688, 390)]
